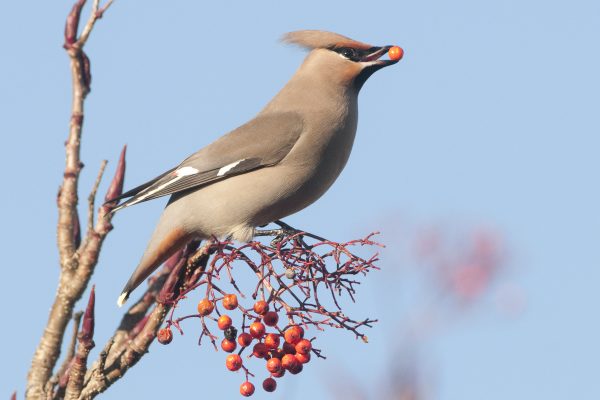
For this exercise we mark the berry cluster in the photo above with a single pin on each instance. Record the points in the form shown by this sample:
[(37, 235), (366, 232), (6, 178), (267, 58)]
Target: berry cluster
[(282, 350), (291, 274)]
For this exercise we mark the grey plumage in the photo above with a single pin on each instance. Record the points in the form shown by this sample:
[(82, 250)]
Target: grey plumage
[(243, 149), (273, 166)]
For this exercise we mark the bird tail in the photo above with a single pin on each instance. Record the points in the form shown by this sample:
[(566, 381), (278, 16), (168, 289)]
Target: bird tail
[(158, 251), (123, 297)]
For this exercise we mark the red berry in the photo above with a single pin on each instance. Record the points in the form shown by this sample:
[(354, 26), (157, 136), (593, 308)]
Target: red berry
[(277, 353), (230, 302), (269, 385), (259, 350), (271, 318), (244, 339), (289, 362), (293, 334), (257, 330), (205, 307), (395, 53), (233, 362), (272, 341), (228, 345), (274, 365), (303, 358), (278, 374), (164, 336), (247, 389), (296, 369), (289, 348), (261, 307), (224, 322), (303, 346)]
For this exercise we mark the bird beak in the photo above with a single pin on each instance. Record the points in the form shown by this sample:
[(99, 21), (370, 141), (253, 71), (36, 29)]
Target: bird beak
[(373, 57), (371, 62)]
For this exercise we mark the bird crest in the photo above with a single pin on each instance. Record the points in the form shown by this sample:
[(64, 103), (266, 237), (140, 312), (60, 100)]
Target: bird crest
[(314, 39)]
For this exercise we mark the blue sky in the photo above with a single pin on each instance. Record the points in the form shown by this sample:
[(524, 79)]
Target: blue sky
[(490, 119)]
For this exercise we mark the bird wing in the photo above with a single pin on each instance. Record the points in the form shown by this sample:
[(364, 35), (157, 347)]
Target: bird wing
[(262, 142)]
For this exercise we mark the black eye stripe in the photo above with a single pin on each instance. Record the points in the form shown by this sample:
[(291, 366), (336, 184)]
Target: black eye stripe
[(349, 53)]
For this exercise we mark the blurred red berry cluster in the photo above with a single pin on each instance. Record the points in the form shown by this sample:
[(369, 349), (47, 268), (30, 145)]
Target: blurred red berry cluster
[(462, 271)]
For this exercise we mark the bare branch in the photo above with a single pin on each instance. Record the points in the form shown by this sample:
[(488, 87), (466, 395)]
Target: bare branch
[(92, 196), (124, 354), (101, 379), (136, 317), (86, 344), (95, 15), (70, 349), (76, 266)]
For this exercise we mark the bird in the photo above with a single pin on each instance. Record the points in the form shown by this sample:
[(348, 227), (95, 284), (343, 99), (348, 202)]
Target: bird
[(275, 165)]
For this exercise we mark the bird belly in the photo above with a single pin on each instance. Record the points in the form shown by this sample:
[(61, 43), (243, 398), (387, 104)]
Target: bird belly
[(238, 204)]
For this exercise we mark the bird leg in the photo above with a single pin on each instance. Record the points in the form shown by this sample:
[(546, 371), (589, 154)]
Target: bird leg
[(284, 231)]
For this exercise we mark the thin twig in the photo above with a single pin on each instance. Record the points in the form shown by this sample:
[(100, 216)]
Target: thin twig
[(86, 344), (123, 354), (95, 15), (71, 348), (92, 201)]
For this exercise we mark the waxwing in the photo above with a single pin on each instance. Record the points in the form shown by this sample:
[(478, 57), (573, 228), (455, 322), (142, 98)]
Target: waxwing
[(272, 166)]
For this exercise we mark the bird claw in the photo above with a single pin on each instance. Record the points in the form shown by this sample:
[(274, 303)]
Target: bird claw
[(280, 234), (283, 234)]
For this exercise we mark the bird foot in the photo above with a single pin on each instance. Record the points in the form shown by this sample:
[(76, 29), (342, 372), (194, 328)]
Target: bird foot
[(284, 231)]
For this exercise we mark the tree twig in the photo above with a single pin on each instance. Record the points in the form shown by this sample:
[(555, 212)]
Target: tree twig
[(61, 376), (86, 344), (92, 196), (131, 341), (76, 266)]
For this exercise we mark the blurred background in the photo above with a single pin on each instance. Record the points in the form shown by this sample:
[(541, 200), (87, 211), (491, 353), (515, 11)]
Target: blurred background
[(477, 158)]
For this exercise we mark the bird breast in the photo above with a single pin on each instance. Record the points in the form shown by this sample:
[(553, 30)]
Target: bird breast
[(320, 155)]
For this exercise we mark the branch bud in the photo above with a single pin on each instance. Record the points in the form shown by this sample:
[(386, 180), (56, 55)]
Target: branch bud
[(72, 24), (116, 186), (86, 335)]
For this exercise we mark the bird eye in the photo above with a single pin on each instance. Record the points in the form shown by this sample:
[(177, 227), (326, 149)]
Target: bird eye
[(349, 53)]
